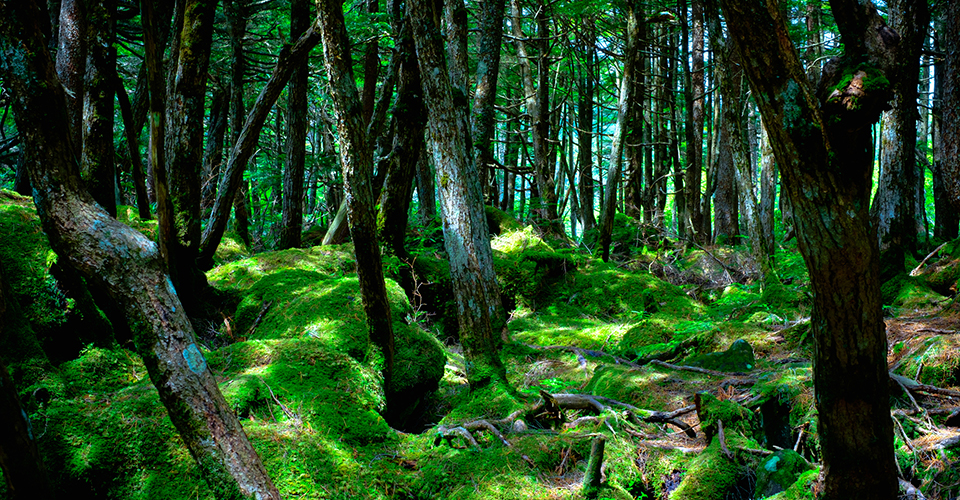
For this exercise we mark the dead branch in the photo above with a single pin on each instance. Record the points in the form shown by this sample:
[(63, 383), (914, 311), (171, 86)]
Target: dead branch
[(754, 451), (600, 403), (914, 386), (916, 270), (910, 491), (697, 369), (723, 440)]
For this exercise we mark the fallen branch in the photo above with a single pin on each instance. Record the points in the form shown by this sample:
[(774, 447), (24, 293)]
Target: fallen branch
[(697, 369), (938, 331), (915, 387), (593, 476), (599, 404), (910, 491), (723, 440), (916, 270)]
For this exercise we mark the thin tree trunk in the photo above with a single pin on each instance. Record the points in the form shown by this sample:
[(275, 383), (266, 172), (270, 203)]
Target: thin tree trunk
[(291, 224), (371, 67), (357, 159), (426, 190), (132, 140), (213, 153), (585, 126)]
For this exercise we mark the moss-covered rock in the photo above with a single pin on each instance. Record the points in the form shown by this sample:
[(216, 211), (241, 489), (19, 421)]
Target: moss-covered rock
[(909, 292), (711, 475), (778, 472), (735, 418), (801, 489), (738, 357)]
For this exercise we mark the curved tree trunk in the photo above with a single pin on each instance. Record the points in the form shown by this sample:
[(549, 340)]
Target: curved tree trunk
[(124, 263), (479, 310), (357, 159), (824, 149)]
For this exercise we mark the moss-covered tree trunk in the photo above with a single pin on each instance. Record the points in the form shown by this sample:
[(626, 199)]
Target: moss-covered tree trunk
[(479, 309), (356, 156), (823, 146), (122, 262), (20, 461), (184, 145)]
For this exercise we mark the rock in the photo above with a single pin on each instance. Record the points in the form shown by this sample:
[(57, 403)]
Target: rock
[(777, 472), (738, 358)]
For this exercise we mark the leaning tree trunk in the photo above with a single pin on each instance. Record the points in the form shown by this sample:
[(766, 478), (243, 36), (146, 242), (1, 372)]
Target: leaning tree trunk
[(823, 146), (479, 310), (615, 171), (112, 256), (357, 159)]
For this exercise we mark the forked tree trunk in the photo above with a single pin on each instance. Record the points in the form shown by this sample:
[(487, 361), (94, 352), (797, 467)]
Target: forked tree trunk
[(118, 259), (823, 146), (479, 310)]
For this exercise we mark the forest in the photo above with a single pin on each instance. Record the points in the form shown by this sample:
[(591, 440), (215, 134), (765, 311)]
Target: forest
[(480, 249)]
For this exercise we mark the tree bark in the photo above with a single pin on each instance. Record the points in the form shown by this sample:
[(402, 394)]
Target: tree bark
[(291, 223), (691, 218), (237, 18), (71, 65), (20, 461), (946, 217), (823, 147), (213, 152), (950, 128), (488, 70), (123, 262), (615, 171), (357, 159), (246, 143), (97, 164), (895, 203), (479, 310)]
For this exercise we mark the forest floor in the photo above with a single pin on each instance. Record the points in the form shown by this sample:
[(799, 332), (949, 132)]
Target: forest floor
[(698, 379)]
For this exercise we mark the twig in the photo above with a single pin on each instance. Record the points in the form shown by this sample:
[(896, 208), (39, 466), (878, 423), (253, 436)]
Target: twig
[(723, 440), (916, 270), (263, 312), (938, 331)]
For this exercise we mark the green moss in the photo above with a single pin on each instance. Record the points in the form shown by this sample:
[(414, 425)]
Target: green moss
[(735, 417), (643, 388), (779, 472), (907, 291), (330, 260), (801, 489), (131, 217), (710, 475), (738, 358)]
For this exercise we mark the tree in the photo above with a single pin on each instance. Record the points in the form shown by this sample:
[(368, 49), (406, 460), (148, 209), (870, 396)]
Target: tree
[(588, 39), (20, 461), (479, 310), (822, 142), (97, 159), (291, 225), (895, 202), (949, 164), (488, 70), (356, 157), (122, 262)]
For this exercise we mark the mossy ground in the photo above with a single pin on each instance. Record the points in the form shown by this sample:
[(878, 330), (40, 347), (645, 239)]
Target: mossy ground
[(297, 367)]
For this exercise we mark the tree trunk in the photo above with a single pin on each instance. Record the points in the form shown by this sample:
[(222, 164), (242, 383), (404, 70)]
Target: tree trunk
[(479, 310), (726, 201), (132, 129), (488, 70), (946, 217), (823, 147), (123, 262), (97, 164), (371, 67), (691, 217), (895, 203), (291, 224), (71, 65), (615, 170), (238, 197), (184, 145), (768, 196), (357, 159), (585, 125), (426, 189), (246, 143), (950, 129), (213, 153), (20, 461)]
